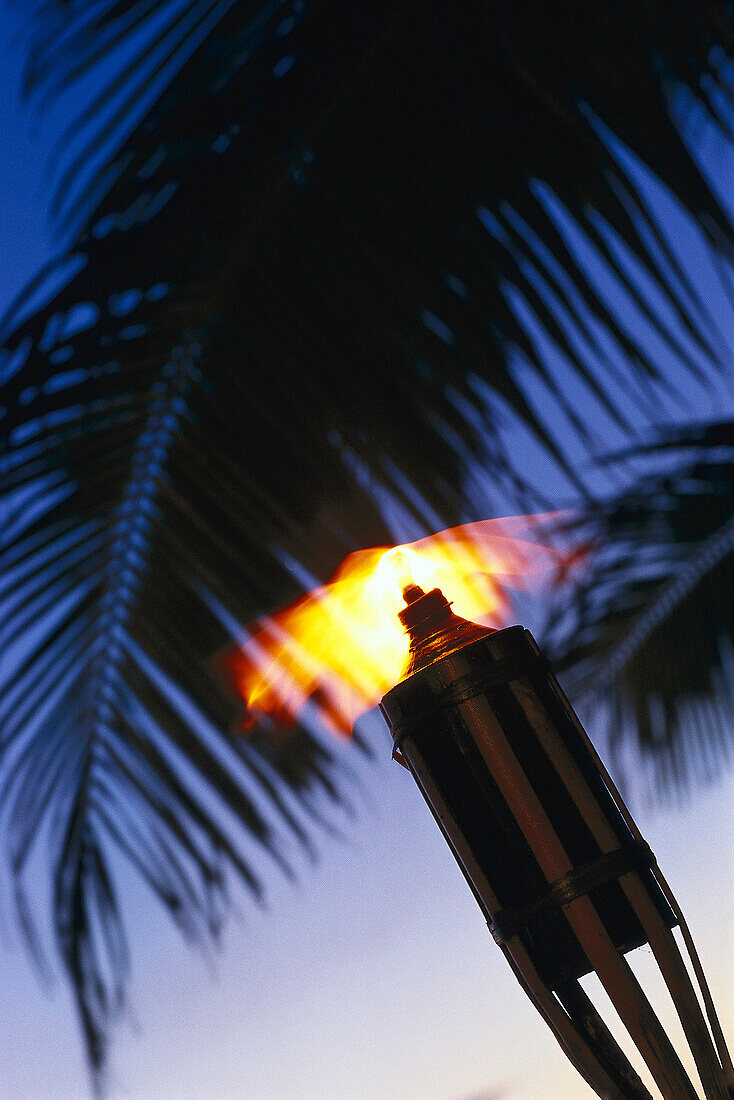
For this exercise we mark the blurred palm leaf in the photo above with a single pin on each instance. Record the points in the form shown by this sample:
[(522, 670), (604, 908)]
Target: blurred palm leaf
[(649, 628), (318, 279)]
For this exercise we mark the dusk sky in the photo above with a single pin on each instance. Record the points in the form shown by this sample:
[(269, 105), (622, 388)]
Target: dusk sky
[(373, 976)]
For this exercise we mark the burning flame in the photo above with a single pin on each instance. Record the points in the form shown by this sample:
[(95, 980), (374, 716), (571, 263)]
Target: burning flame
[(342, 646)]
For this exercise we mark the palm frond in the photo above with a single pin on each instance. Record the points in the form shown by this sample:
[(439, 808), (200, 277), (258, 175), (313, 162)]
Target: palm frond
[(648, 630), (115, 728)]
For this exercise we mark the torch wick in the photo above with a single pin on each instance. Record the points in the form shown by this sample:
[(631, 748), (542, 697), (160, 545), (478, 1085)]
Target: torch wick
[(412, 592)]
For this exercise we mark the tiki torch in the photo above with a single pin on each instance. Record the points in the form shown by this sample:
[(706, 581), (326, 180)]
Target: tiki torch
[(551, 853)]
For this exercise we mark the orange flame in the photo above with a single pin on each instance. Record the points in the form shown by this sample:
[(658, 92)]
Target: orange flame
[(342, 645)]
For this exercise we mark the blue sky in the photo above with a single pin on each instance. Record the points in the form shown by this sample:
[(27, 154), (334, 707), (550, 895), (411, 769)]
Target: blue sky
[(373, 976)]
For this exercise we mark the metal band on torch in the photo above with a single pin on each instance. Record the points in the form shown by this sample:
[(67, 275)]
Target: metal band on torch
[(582, 880)]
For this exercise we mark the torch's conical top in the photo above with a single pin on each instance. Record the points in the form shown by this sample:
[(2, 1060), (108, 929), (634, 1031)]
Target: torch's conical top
[(433, 628)]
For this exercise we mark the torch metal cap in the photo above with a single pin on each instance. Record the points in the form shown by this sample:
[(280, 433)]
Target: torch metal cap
[(434, 630)]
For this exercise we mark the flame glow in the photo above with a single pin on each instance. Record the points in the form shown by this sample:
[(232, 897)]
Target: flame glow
[(342, 646)]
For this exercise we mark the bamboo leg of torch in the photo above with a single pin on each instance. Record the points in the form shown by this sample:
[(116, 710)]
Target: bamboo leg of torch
[(713, 1019), (589, 1023), (616, 976), (606, 1070), (713, 1072)]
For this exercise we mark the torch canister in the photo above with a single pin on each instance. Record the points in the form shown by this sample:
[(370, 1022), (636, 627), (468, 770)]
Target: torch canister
[(563, 877)]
